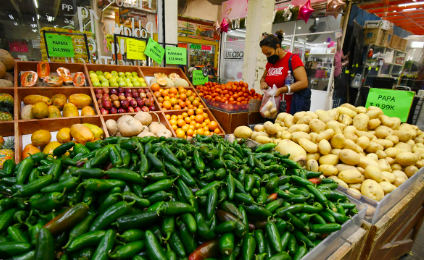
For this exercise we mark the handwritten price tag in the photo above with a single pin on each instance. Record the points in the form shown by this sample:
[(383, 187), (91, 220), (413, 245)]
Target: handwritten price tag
[(135, 49), (154, 51)]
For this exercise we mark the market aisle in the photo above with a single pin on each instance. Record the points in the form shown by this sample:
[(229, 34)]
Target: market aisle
[(417, 251)]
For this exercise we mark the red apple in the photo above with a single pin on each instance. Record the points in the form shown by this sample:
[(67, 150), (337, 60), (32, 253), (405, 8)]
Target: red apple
[(152, 108), (121, 110), (121, 90), (143, 95), (127, 90), (137, 109), (140, 102), (130, 110), (145, 109), (106, 97), (135, 94), (124, 103), (147, 102), (114, 91), (128, 94), (106, 90), (99, 96), (133, 103), (122, 98), (114, 97), (149, 95), (100, 103), (104, 111), (113, 110), (107, 104), (98, 91), (116, 103), (141, 90)]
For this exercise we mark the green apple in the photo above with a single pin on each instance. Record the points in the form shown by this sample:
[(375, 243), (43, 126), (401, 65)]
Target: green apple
[(95, 80), (93, 75), (114, 84), (112, 80), (99, 72), (128, 74), (134, 73), (141, 80), (133, 79), (127, 80), (121, 74), (129, 84), (104, 80), (114, 72), (136, 77), (143, 85), (122, 84), (109, 76), (101, 77), (96, 84), (105, 84), (136, 84), (91, 72)]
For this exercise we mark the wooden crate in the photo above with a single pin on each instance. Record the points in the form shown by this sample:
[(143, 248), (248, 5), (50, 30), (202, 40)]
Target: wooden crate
[(231, 121), (18, 127), (394, 234), (352, 248)]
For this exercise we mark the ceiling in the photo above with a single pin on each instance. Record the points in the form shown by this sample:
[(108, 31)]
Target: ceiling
[(403, 16)]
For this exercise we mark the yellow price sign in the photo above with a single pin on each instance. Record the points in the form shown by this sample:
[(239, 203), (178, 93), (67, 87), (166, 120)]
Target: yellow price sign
[(135, 49)]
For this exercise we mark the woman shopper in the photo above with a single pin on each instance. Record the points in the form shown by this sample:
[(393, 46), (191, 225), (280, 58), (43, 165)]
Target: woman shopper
[(297, 95)]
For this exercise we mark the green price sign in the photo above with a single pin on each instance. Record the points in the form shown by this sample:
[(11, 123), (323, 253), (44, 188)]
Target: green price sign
[(59, 45), (175, 55), (198, 78), (196, 46), (154, 51), (135, 49), (394, 103)]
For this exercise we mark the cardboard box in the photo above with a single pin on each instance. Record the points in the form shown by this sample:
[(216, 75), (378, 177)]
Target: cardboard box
[(383, 24), (394, 42), (402, 44), (387, 38), (373, 36)]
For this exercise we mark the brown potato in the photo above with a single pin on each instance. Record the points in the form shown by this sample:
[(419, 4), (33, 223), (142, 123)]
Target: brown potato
[(328, 170), (410, 170), (388, 176), (363, 142), (373, 172), (314, 156), (374, 123), (349, 157), (351, 176), (406, 158), (338, 141), (372, 190), (329, 159), (317, 125), (361, 122), (312, 165), (324, 147)]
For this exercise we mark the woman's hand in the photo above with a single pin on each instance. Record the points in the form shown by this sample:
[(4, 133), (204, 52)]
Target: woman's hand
[(264, 85)]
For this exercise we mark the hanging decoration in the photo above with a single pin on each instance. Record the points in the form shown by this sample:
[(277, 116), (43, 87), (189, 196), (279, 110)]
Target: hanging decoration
[(332, 43), (224, 25), (287, 13), (334, 7), (216, 27), (305, 11)]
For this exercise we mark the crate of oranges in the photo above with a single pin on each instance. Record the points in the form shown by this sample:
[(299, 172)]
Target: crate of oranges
[(173, 98), (186, 124)]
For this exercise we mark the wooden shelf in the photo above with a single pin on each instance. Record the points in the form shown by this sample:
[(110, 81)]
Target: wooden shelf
[(18, 127)]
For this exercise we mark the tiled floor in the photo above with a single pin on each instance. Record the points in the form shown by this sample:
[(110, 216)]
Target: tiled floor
[(417, 252)]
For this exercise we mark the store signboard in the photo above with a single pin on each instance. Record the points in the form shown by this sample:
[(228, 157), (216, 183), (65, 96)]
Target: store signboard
[(195, 30), (232, 69), (135, 49), (206, 47), (175, 55), (59, 45), (195, 46), (198, 78), (394, 103), (154, 51)]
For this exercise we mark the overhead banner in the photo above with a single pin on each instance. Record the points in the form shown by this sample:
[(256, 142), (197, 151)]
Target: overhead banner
[(393, 103), (154, 51), (175, 55), (198, 78), (135, 49)]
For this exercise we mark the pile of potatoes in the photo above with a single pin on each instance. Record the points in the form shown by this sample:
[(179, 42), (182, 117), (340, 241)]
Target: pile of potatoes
[(362, 149)]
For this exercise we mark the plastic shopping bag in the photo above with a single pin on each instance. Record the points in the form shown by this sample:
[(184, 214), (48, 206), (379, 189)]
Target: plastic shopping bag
[(270, 103)]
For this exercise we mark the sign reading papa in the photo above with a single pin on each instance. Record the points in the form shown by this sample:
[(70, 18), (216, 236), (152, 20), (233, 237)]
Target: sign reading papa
[(154, 51), (175, 55), (393, 103), (198, 78)]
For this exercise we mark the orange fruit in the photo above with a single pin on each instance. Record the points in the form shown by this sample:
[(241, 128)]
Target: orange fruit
[(188, 102), (171, 95), (168, 117), (204, 124), (190, 106), (213, 125), (199, 111), (180, 133), (174, 117), (192, 117), (195, 103), (160, 104), (157, 94), (155, 87), (200, 131), (173, 101), (205, 115), (199, 119), (201, 106), (177, 107), (187, 120), (181, 122), (190, 112), (167, 98), (180, 117), (173, 122), (192, 122), (198, 126), (175, 127), (173, 90), (217, 131), (182, 104), (191, 126), (160, 99), (189, 93), (207, 132), (164, 109), (167, 104), (182, 90), (183, 96), (165, 93), (207, 121), (190, 98), (190, 132), (184, 114), (185, 128), (205, 128)]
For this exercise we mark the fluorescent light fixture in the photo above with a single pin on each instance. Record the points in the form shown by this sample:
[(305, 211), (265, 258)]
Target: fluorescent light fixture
[(33, 19), (299, 27), (34, 30), (15, 23), (410, 9), (394, 11), (11, 17), (417, 45), (409, 4), (325, 42), (38, 16), (33, 25), (36, 3), (50, 18), (317, 19), (284, 33)]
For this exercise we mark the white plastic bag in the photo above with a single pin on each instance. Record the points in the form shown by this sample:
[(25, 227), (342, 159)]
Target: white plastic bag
[(270, 103)]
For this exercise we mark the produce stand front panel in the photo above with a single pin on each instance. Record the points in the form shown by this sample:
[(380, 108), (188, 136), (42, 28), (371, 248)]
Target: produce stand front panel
[(230, 121), (352, 248), (395, 233)]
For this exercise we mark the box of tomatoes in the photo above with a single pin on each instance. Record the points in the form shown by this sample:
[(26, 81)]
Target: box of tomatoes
[(231, 97)]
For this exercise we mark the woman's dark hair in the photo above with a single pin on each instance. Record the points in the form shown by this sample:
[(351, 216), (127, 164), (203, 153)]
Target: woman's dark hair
[(272, 40)]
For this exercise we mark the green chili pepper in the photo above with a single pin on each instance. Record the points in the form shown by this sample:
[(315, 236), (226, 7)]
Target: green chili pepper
[(47, 202), (244, 198), (127, 251), (202, 229), (125, 175), (68, 184), (91, 238), (104, 246), (80, 228), (248, 247), (34, 187), (63, 148), (212, 202), (158, 186), (24, 170), (45, 245), (67, 219), (156, 163), (110, 215), (177, 245), (198, 161), (101, 185), (16, 235), (154, 250)]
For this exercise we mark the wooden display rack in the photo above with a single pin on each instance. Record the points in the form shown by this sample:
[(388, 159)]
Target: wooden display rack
[(230, 121), (19, 127)]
